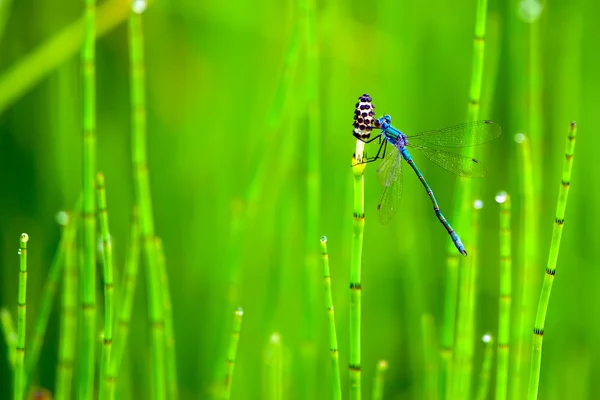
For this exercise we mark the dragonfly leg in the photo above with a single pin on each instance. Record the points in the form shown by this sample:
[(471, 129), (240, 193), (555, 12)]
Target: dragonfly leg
[(366, 160)]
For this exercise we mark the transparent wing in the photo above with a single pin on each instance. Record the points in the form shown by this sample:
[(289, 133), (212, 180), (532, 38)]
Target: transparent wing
[(389, 161), (463, 135), (455, 163), (390, 174)]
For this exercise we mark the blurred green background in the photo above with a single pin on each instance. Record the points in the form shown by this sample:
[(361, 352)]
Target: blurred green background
[(225, 99)]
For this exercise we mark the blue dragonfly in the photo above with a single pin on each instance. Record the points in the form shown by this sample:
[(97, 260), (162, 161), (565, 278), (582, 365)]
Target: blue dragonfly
[(428, 143)]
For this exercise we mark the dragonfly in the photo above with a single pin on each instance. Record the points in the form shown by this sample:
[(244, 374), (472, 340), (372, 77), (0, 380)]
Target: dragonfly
[(429, 143)]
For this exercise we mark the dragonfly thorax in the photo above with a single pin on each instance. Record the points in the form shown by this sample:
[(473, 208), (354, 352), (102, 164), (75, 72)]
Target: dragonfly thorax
[(391, 134)]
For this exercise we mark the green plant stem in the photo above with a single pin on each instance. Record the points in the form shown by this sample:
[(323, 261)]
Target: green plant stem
[(538, 330), (45, 307), (379, 381), (87, 355), (125, 310), (232, 352), (486, 368), (143, 199), (355, 268), (462, 209), (274, 375), (109, 304), (10, 336), (505, 297), (431, 388), (171, 361), (336, 387), (19, 376), (68, 320), (527, 273)]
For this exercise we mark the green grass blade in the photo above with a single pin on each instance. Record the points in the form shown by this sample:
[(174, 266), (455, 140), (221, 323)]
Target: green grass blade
[(358, 171), (19, 376), (87, 354), (232, 352), (505, 296), (171, 360), (10, 336), (109, 305), (540, 319), (68, 320), (431, 388), (486, 368), (336, 387), (379, 381), (274, 374)]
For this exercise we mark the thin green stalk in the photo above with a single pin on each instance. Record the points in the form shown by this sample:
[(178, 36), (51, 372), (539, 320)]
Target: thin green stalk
[(538, 330), (313, 195), (486, 368), (526, 275), (431, 388), (355, 267), (19, 376), (10, 336), (109, 305), (129, 284), (87, 354), (379, 381), (232, 352), (68, 320), (45, 307), (462, 209), (336, 387), (274, 375), (171, 359), (143, 198), (505, 297), (4, 13), (465, 336)]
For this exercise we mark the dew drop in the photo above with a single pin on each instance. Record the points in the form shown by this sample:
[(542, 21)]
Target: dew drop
[(139, 6), (24, 237), (487, 338), (62, 218), (501, 197), (478, 204), (530, 10), (520, 138), (275, 338), (239, 311), (323, 239)]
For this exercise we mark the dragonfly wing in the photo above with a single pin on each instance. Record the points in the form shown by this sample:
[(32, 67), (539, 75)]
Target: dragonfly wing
[(391, 178), (453, 162), (387, 165), (463, 135)]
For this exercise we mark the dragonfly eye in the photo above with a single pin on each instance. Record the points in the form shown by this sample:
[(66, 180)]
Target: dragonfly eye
[(364, 117)]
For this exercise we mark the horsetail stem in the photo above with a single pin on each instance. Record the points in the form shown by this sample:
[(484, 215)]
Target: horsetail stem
[(486, 367), (355, 267), (108, 290), (379, 381), (129, 284), (274, 376), (143, 198), (45, 305), (431, 374), (538, 330), (462, 205), (19, 376), (232, 352), (87, 354), (333, 345), (10, 336), (171, 361), (68, 320), (505, 296), (526, 276)]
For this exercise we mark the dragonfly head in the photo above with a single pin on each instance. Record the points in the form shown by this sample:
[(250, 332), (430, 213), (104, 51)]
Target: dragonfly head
[(384, 122), (364, 116)]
